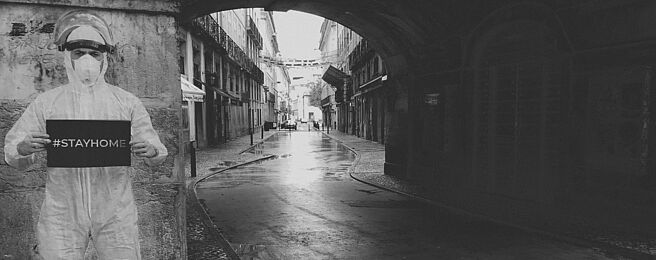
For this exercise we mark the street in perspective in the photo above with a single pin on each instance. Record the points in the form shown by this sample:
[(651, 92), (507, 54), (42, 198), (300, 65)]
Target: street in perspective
[(314, 129), (301, 203)]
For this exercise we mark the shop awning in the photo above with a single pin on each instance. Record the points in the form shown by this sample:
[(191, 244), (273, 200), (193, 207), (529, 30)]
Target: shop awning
[(190, 92), (334, 76)]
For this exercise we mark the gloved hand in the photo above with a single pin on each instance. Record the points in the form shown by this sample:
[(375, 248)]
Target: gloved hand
[(35, 142), (143, 149)]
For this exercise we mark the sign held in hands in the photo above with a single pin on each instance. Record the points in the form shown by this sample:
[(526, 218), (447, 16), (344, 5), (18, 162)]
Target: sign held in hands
[(88, 143)]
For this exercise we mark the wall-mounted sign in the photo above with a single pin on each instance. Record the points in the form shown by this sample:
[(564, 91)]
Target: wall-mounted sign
[(88, 143)]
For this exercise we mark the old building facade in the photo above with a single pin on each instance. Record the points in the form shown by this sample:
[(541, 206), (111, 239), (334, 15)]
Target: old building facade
[(329, 56), (367, 83), (227, 53), (353, 93), (336, 43)]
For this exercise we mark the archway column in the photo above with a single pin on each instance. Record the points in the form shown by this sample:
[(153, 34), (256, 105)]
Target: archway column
[(399, 117)]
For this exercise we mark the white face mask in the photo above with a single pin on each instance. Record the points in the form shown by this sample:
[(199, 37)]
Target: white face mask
[(87, 69)]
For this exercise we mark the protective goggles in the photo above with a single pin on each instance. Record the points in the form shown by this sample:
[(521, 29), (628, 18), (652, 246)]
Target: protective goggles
[(69, 46)]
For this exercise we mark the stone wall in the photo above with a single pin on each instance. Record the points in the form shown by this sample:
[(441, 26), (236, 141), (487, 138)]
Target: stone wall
[(145, 64), (545, 116)]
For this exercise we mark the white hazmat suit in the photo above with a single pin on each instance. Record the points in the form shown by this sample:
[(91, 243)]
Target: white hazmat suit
[(86, 203)]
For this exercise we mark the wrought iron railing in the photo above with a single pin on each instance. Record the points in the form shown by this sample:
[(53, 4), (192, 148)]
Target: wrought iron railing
[(254, 33), (207, 28)]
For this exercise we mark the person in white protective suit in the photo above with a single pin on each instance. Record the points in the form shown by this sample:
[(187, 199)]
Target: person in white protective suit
[(85, 204)]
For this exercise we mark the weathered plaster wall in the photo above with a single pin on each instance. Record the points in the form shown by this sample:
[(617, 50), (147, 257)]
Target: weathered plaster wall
[(145, 64)]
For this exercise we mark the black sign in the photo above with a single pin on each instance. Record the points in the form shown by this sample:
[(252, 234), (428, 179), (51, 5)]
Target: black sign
[(88, 143)]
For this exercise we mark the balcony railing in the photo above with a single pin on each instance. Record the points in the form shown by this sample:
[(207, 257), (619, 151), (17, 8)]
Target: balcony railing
[(254, 33), (207, 28)]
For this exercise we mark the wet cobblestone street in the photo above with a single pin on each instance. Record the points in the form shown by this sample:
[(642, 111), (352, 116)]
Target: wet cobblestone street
[(303, 205)]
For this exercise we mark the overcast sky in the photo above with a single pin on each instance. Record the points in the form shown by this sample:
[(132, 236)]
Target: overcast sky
[(298, 34)]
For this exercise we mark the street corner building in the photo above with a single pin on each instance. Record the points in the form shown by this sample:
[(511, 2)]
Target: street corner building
[(30, 64)]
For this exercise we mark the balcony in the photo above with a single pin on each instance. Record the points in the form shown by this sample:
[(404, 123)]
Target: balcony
[(255, 72), (254, 33), (208, 29)]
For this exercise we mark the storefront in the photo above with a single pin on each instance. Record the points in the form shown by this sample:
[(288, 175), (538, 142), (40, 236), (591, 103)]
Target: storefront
[(190, 96)]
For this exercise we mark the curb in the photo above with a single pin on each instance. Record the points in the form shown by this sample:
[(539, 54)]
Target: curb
[(230, 252), (258, 143), (576, 241)]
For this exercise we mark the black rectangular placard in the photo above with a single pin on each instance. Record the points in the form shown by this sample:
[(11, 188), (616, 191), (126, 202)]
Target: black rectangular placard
[(88, 143)]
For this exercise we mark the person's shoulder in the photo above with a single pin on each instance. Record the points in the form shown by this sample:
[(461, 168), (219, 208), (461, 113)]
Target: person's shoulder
[(127, 98), (122, 93), (119, 91), (50, 94)]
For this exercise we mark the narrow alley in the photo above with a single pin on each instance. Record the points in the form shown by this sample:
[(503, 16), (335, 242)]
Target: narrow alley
[(302, 204), (286, 129)]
